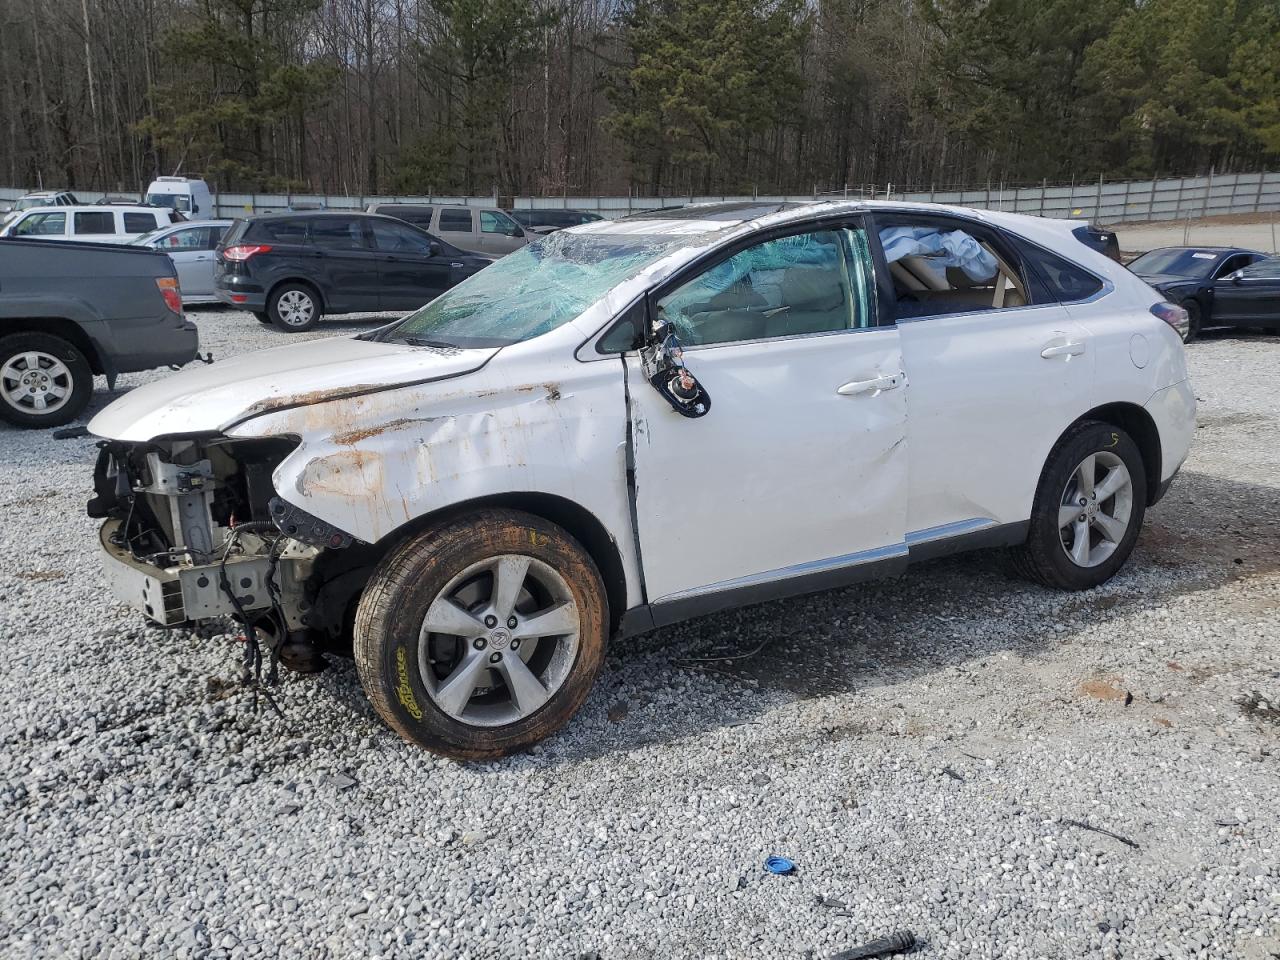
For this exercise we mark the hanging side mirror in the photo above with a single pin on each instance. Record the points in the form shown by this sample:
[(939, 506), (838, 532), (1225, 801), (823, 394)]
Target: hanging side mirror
[(664, 368)]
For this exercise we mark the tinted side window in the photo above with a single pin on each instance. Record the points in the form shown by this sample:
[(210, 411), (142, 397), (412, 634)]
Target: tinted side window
[(1262, 270), (1053, 278), (337, 233), (195, 238), (284, 231), (393, 238), (96, 222), (455, 221), (140, 222)]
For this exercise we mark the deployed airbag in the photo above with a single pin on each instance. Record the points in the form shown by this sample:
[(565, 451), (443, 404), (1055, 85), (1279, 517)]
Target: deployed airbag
[(954, 248)]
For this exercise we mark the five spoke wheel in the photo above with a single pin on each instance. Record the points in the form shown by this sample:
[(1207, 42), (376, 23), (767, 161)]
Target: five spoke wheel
[(498, 640), (1096, 506)]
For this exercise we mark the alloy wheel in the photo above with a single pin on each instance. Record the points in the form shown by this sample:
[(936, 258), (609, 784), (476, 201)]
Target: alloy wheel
[(35, 382), (499, 640), (1096, 508)]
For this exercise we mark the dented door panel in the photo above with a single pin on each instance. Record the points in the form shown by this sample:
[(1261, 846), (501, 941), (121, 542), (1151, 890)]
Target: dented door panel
[(783, 470)]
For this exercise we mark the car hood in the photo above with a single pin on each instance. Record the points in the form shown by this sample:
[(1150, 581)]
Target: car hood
[(211, 398)]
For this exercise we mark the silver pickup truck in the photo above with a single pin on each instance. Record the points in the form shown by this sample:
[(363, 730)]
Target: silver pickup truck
[(70, 311)]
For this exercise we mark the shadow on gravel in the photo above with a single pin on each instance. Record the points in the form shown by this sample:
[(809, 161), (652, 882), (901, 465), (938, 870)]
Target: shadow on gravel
[(1206, 533)]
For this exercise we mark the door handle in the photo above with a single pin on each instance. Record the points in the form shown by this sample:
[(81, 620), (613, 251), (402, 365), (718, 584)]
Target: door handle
[(1072, 348), (875, 386)]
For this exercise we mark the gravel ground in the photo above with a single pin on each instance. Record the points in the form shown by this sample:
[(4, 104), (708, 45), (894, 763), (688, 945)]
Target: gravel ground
[(918, 747)]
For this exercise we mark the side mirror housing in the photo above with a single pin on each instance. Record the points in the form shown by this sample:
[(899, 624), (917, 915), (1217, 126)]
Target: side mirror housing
[(433, 249)]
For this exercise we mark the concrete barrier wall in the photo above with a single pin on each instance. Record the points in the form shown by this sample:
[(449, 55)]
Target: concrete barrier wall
[(1180, 198)]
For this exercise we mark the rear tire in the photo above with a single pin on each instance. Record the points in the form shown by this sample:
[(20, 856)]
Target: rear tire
[(45, 381), (294, 307), (482, 635), (1074, 545)]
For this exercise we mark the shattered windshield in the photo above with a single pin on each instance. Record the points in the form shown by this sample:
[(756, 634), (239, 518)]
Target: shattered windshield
[(534, 290)]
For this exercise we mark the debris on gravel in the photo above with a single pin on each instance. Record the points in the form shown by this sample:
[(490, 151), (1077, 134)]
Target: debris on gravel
[(920, 747)]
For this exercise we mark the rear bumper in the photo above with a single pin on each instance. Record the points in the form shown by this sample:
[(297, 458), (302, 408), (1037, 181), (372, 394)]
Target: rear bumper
[(171, 341), (1174, 411), (240, 292)]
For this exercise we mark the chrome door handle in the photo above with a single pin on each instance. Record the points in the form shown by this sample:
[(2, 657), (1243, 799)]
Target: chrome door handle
[(878, 385), (1072, 348)]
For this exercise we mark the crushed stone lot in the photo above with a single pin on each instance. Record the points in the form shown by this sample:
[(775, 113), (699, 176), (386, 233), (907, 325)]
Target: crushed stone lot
[(925, 749)]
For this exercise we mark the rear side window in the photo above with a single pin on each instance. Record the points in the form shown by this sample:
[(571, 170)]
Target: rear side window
[(337, 233), (140, 222), (284, 231), (87, 223), (1052, 277), (456, 221)]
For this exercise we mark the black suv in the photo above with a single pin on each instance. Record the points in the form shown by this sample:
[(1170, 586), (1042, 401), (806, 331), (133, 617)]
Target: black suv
[(290, 269)]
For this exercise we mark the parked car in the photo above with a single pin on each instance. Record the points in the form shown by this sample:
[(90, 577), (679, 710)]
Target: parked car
[(635, 422), (191, 247), (189, 196), (1196, 278), (483, 229), (290, 269), (548, 221), (45, 198), (96, 224), (69, 311)]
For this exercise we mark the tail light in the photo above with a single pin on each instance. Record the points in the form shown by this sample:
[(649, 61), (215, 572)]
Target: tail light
[(172, 295), (241, 252), (1174, 316)]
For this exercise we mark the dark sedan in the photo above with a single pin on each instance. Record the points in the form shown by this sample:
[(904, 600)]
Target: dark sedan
[(289, 269), (1199, 279)]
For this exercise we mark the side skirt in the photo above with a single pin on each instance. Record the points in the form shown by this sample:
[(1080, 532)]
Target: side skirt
[(823, 574)]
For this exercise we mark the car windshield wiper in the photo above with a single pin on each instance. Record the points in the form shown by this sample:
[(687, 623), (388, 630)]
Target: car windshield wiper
[(426, 342)]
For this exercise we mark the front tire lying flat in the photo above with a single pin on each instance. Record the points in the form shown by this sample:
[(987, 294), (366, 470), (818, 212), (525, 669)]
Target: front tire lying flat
[(482, 635), (1088, 509)]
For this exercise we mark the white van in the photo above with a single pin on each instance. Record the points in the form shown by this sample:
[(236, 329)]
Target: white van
[(100, 223), (190, 196)]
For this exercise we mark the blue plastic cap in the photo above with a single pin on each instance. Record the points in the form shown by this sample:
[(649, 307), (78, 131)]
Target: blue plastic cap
[(779, 865)]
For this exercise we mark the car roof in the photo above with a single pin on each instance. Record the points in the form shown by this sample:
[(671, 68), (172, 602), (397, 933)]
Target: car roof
[(1208, 248), (95, 208), (308, 214)]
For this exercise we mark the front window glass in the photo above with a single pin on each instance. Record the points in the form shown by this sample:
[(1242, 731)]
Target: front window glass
[(808, 283), (1177, 262), (534, 290), (174, 201), (1262, 270), (42, 225), (493, 222), (393, 238)]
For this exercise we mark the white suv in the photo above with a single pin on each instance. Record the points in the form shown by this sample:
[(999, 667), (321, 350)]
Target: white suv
[(100, 223), (635, 422)]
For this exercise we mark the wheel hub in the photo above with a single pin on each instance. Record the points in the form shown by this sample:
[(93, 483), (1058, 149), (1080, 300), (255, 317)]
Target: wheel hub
[(500, 639)]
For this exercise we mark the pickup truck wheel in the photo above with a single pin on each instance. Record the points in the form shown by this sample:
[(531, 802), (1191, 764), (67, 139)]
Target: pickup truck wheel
[(294, 307), (1088, 509), (482, 635), (45, 381)]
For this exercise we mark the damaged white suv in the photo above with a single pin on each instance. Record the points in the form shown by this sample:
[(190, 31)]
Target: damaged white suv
[(634, 422)]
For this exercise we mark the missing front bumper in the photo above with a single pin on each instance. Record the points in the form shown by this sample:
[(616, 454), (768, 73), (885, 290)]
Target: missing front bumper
[(188, 592)]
